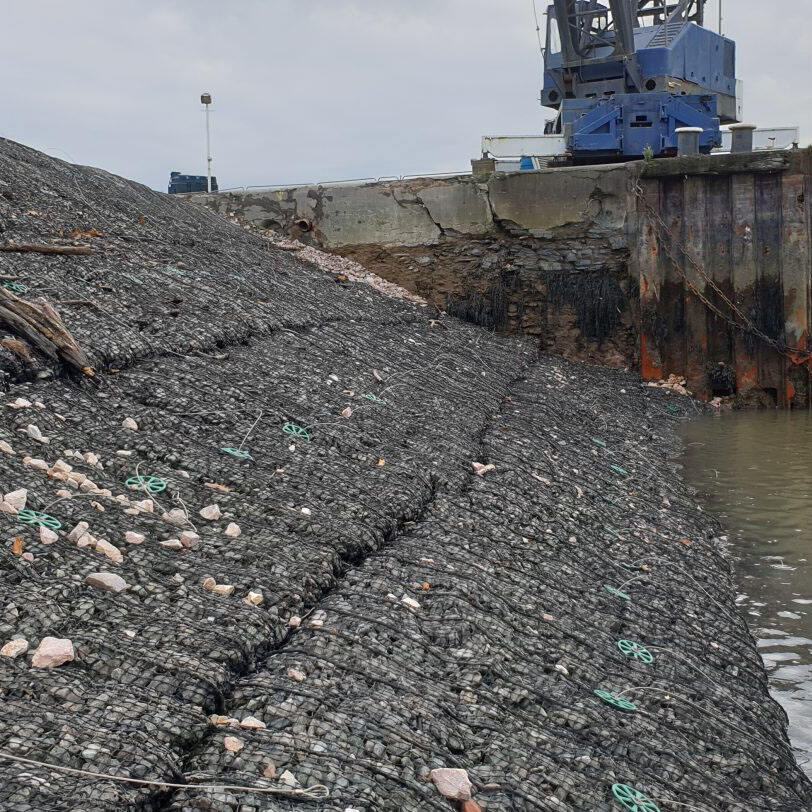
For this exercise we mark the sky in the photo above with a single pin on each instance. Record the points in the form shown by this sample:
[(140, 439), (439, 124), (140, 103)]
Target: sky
[(318, 90)]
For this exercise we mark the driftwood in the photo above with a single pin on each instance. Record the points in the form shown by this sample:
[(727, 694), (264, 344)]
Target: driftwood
[(42, 327), (73, 250)]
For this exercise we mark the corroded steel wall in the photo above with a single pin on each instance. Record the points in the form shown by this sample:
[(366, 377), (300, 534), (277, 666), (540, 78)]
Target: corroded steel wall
[(721, 247)]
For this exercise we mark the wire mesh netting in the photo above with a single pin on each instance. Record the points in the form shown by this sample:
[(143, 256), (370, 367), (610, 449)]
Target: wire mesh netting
[(357, 544)]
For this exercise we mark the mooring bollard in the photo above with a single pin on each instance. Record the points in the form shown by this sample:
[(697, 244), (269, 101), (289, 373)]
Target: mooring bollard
[(742, 140), (688, 140)]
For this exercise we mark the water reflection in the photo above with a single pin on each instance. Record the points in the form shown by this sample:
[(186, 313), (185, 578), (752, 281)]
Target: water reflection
[(754, 471)]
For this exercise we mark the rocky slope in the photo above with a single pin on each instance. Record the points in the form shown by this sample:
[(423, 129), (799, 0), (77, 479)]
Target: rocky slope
[(296, 545)]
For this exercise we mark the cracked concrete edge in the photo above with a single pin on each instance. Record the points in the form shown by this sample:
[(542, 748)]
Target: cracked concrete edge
[(421, 211)]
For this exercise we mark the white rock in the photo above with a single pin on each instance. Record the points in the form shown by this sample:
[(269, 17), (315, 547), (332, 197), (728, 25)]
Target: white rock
[(209, 583), (86, 541), (14, 648), (35, 462), (39, 404), (252, 723), (223, 589), (123, 453), (480, 469), (411, 603), (16, 499), (307, 511), (35, 434), (90, 458), (129, 423), (52, 652), (134, 538), (77, 476), (62, 493), (452, 784), (254, 598), (78, 531), (233, 530), (189, 539), (171, 544), (62, 466), (29, 557), (294, 622), (346, 412), (6, 448), (112, 552), (146, 505), (20, 403), (233, 744), (47, 536), (106, 581), (211, 512), (289, 779), (296, 675), (129, 633), (7, 508)]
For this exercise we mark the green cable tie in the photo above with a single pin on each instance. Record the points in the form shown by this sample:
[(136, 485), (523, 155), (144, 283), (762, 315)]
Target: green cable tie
[(374, 398), (631, 649), (617, 593), (618, 470), (632, 799), (598, 442), (37, 517), (616, 701), (296, 431), (238, 453), (150, 484), (14, 287)]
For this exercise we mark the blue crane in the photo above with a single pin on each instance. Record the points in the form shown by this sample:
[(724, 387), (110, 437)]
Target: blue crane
[(625, 74)]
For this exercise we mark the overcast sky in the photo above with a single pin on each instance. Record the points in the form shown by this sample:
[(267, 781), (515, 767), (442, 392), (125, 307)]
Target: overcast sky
[(317, 90)]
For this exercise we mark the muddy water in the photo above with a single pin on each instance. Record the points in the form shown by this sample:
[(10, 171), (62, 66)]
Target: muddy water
[(754, 471)]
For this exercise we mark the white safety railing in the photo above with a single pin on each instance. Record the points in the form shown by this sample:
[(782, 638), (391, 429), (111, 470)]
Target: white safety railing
[(345, 182)]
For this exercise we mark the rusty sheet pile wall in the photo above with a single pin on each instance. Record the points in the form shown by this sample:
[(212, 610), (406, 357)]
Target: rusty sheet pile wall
[(722, 251)]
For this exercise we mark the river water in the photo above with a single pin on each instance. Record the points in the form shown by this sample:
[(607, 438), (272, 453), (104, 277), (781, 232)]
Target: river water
[(754, 471)]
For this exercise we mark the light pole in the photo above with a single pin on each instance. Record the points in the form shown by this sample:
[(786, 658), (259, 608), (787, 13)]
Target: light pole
[(720, 16), (205, 99)]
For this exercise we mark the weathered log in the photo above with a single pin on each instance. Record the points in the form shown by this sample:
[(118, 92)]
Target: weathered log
[(72, 250), (42, 327)]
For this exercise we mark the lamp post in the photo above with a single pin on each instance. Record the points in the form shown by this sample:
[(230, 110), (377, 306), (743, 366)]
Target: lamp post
[(205, 99)]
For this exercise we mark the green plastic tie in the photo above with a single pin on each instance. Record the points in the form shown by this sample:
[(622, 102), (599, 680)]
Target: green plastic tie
[(374, 398), (598, 442), (37, 517), (673, 409), (616, 701), (14, 287), (632, 799), (150, 484), (296, 431), (631, 649), (618, 470), (238, 453), (617, 593)]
